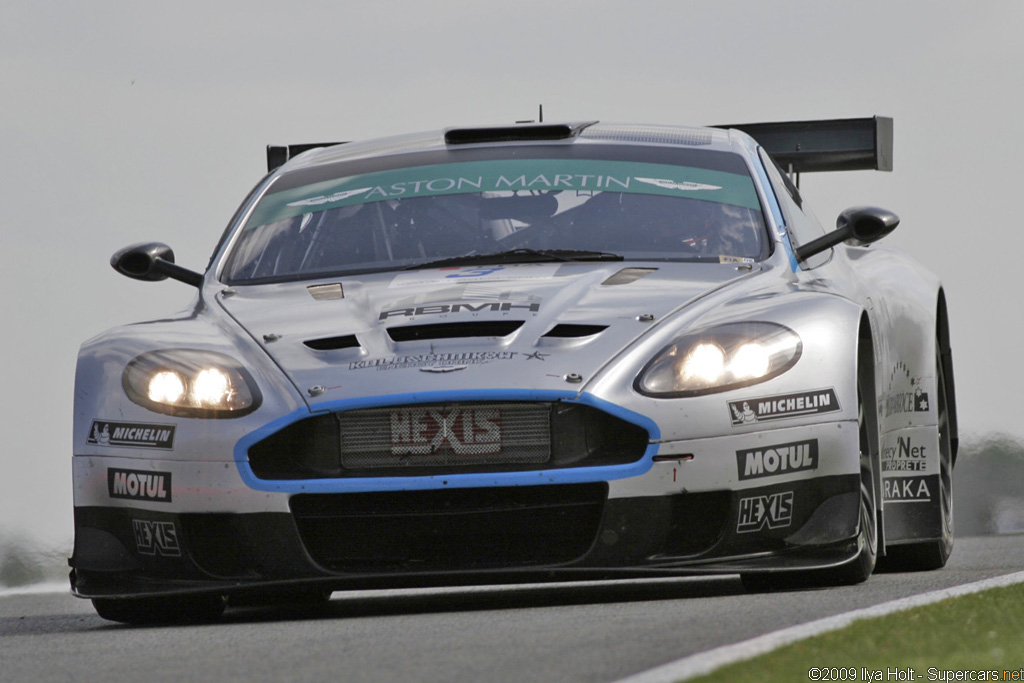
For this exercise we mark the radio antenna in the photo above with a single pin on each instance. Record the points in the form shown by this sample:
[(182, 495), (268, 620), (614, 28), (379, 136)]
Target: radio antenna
[(540, 116)]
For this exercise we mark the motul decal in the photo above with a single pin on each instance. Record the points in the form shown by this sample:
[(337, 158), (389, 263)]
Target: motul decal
[(139, 485)]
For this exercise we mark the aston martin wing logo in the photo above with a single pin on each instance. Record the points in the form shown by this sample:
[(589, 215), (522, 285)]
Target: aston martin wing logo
[(443, 368)]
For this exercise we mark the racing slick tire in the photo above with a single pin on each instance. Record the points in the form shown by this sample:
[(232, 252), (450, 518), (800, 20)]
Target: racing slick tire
[(177, 609)]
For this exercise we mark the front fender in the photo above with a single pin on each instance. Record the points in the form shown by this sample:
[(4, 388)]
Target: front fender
[(828, 327)]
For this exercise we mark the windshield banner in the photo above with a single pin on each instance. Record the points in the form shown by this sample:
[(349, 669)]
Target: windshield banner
[(505, 177)]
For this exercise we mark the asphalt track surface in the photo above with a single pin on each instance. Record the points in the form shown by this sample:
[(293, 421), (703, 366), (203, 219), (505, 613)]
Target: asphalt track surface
[(599, 631)]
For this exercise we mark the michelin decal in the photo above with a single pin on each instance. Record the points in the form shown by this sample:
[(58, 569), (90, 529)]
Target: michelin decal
[(131, 434), (782, 406)]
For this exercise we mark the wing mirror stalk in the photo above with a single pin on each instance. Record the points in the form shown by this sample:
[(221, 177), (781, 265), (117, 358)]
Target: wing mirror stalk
[(858, 226), (152, 261)]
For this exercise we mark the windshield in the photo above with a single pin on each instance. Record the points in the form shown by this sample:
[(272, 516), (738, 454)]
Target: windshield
[(571, 208)]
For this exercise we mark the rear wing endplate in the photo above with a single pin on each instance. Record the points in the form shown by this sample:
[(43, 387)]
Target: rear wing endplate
[(827, 145), (278, 155)]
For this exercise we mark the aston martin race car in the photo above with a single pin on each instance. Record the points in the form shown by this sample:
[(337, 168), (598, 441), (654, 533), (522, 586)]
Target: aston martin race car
[(535, 352)]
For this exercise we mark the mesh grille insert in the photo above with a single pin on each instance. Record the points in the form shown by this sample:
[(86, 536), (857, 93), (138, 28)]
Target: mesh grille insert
[(452, 435)]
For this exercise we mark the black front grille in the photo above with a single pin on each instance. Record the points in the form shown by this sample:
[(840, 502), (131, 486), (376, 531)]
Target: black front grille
[(432, 439), (451, 529)]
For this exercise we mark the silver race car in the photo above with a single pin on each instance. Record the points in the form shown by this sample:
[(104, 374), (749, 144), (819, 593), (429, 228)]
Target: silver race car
[(522, 353)]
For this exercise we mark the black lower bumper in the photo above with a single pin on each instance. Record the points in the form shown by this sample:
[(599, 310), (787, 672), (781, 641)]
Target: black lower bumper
[(466, 536)]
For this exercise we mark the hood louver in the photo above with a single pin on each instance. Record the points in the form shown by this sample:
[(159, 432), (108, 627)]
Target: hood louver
[(347, 341), (490, 328), (628, 275), (567, 331)]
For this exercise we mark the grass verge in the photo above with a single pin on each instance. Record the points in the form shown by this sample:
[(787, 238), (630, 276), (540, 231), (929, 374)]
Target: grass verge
[(979, 632)]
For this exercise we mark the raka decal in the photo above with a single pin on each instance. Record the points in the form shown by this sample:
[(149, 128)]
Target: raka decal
[(135, 435), (156, 538), (774, 511), (139, 485), (799, 456), (783, 406), (907, 490)]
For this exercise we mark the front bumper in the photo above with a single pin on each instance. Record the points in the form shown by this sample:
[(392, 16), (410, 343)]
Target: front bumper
[(465, 536)]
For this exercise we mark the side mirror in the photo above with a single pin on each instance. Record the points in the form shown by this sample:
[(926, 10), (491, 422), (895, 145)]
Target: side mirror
[(152, 261), (857, 226)]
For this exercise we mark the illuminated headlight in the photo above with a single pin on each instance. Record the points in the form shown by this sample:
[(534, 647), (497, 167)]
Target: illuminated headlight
[(191, 384), (720, 358)]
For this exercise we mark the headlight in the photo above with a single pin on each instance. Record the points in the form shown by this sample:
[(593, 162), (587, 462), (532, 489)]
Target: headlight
[(720, 358), (191, 384)]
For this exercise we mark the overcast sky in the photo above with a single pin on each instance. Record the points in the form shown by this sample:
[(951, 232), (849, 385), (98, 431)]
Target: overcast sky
[(129, 121)]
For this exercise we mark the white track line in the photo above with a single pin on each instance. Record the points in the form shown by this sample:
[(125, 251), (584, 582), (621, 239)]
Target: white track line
[(706, 662)]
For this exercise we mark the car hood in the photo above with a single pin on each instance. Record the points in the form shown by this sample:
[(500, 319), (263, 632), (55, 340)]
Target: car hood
[(530, 327)]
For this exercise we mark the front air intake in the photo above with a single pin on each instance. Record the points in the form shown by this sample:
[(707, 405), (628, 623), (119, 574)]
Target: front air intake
[(450, 529), (431, 439)]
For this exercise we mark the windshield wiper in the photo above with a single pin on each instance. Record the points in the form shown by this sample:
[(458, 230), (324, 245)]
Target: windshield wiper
[(520, 256)]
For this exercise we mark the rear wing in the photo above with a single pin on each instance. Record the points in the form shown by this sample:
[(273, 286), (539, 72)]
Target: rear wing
[(828, 145), (797, 146)]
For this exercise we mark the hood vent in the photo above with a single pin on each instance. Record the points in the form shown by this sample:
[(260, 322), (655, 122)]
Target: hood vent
[(488, 328), (567, 331), (329, 292), (627, 275), (347, 341)]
